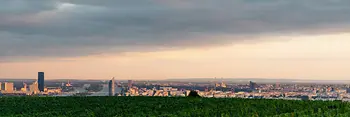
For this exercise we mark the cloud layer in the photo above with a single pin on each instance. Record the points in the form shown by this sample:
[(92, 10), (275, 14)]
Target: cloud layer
[(45, 28)]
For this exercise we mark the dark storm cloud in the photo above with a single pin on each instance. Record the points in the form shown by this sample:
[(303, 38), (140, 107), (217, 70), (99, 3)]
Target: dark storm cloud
[(82, 27)]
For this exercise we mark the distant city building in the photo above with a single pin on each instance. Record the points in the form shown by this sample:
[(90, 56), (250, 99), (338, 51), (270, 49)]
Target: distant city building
[(53, 90), (24, 89), (86, 86), (122, 92), (68, 84), (223, 84), (111, 89), (252, 85), (34, 88), (169, 93), (332, 89), (277, 85), (1, 86), (9, 86), (157, 87), (41, 81), (232, 90), (206, 89), (217, 85), (130, 83), (166, 88), (348, 90), (119, 84)]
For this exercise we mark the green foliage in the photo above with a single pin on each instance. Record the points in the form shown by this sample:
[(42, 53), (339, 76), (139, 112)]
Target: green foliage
[(167, 107)]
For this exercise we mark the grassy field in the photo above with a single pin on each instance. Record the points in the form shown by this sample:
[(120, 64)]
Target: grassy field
[(167, 107)]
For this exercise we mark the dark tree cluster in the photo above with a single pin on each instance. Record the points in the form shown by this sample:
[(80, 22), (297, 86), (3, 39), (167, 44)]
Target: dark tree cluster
[(193, 94), (134, 106)]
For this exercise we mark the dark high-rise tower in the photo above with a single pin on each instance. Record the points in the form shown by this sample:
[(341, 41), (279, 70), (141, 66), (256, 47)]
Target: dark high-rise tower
[(41, 80), (111, 87)]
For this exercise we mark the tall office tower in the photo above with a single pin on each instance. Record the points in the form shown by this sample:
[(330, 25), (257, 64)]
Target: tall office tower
[(111, 87), (130, 82), (41, 81), (8, 86), (1, 86)]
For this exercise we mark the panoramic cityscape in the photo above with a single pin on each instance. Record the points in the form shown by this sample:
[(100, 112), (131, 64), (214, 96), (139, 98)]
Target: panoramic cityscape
[(210, 87), (174, 58)]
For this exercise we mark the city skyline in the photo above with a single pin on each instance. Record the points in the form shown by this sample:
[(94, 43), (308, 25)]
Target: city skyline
[(205, 58), (175, 39)]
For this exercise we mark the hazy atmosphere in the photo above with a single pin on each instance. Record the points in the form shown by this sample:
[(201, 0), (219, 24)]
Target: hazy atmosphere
[(160, 39)]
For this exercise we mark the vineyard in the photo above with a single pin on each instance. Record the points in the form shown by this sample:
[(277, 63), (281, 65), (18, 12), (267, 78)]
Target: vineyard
[(167, 107)]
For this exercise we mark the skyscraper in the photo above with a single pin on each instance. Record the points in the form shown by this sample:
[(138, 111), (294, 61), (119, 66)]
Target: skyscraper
[(41, 80), (111, 89)]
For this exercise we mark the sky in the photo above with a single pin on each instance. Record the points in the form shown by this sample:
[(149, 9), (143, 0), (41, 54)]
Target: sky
[(161, 39)]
